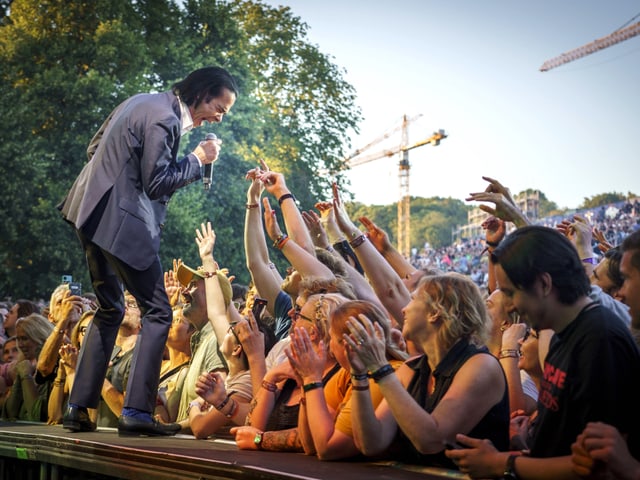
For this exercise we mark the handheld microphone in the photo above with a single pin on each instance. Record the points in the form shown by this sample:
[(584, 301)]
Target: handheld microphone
[(207, 176)]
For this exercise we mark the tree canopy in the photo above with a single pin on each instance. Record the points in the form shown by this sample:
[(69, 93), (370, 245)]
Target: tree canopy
[(66, 65)]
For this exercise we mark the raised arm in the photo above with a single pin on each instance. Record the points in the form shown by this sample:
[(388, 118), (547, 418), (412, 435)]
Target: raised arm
[(380, 239), (304, 262), (263, 273), (388, 286), (505, 206), (216, 308)]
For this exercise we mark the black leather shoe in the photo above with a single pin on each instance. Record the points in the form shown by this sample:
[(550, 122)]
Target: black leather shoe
[(77, 420), (135, 426)]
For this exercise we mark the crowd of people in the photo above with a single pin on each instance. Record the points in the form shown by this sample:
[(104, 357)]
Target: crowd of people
[(360, 353), (353, 352)]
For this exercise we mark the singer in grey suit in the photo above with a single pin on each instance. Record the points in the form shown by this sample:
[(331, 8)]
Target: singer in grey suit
[(117, 206)]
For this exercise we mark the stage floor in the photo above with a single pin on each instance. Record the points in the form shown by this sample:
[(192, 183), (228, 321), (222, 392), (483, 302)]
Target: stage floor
[(50, 452)]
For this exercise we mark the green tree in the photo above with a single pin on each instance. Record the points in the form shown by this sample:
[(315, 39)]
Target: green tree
[(65, 65), (604, 199)]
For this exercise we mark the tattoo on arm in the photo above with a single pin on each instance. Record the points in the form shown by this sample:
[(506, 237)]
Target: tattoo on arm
[(282, 441)]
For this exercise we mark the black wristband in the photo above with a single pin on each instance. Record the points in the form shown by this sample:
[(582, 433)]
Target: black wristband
[(492, 244), (285, 196), (381, 373), (307, 387), (223, 403)]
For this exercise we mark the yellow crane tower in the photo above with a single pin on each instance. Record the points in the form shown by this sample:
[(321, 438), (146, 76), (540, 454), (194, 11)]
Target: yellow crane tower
[(404, 203)]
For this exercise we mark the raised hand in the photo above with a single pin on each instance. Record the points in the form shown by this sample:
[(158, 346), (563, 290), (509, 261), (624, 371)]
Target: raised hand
[(206, 240), (306, 360), (367, 342), (377, 236), (495, 230)]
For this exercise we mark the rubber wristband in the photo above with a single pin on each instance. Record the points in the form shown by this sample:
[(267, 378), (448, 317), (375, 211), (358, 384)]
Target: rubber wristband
[(307, 387), (359, 376), (590, 260), (382, 372), (285, 196), (360, 388), (492, 244)]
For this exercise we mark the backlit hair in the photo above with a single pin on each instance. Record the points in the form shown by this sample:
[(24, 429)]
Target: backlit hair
[(457, 300)]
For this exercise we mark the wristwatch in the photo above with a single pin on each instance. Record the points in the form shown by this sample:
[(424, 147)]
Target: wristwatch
[(258, 440), (509, 469)]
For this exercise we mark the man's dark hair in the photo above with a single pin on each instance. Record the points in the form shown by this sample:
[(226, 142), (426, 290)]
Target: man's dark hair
[(26, 307), (632, 244), (204, 84), (533, 250), (614, 255)]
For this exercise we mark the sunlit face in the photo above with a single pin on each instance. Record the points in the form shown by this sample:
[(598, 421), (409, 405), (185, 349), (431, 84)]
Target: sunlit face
[(629, 293), (527, 304), (195, 303), (26, 345), (498, 307), (10, 351), (291, 283), (214, 110), (82, 329), (415, 317), (529, 360), (132, 315), (11, 318), (179, 332), (600, 277), (229, 343)]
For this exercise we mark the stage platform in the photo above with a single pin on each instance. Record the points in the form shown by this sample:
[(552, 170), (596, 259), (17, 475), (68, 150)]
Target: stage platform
[(31, 451)]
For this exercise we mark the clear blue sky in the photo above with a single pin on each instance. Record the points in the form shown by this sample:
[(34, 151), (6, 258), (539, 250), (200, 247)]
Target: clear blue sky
[(472, 69)]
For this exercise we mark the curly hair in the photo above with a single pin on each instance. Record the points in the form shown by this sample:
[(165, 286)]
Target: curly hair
[(457, 300)]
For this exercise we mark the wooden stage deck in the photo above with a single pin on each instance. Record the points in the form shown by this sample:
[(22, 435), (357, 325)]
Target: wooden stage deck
[(31, 451)]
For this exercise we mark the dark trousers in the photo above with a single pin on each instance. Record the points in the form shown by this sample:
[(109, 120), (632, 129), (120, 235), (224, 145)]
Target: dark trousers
[(108, 275)]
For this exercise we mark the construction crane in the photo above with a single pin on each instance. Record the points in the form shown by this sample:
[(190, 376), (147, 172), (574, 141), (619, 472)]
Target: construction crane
[(404, 203), (599, 44)]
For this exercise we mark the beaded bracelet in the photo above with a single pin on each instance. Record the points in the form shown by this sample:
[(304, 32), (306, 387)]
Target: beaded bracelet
[(282, 242), (307, 387), (224, 402), (356, 242), (278, 239), (381, 372), (251, 205)]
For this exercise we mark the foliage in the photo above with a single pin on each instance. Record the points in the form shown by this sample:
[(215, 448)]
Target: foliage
[(606, 198), (65, 65)]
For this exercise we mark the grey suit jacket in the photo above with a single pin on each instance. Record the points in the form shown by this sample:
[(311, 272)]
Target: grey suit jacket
[(120, 198)]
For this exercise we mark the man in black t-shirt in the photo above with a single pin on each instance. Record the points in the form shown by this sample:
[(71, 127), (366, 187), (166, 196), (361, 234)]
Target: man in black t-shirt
[(590, 369)]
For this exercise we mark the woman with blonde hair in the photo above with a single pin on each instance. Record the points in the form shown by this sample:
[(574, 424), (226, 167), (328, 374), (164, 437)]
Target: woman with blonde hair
[(455, 386), (28, 398)]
